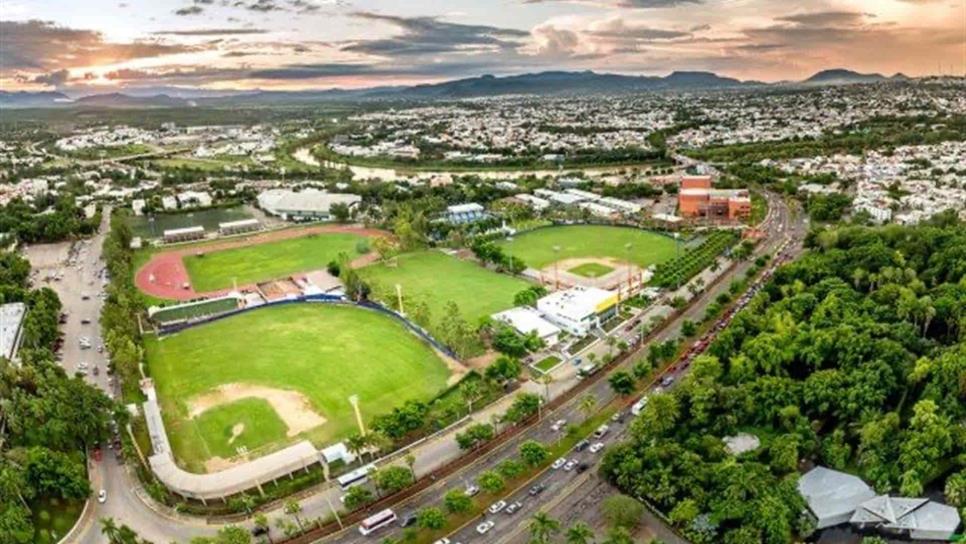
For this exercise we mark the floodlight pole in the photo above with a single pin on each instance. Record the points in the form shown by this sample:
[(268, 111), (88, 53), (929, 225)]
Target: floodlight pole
[(335, 513), (354, 401), (556, 274), (399, 299)]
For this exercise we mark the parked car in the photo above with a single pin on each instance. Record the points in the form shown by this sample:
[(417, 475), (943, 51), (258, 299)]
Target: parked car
[(471, 490), (582, 445), (582, 467), (601, 431), (558, 463), (496, 507), (536, 490), (485, 526), (596, 447), (570, 465), (513, 508)]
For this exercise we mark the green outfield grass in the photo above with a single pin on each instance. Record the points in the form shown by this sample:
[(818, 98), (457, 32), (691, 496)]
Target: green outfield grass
[(591, 270), (435, 278), (536, 248), (325, 352), (271, 260)]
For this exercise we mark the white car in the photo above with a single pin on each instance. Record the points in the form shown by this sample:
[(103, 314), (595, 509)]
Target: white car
[(596, 447), (570, 465), (82, 364), (557, 425), (497, 507), (443, 540), (558, 463), (485, 526), (471, 491), (102, 496)]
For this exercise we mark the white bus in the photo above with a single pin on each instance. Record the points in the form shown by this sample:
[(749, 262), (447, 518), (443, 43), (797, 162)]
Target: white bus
[(356, 477), (377, 521)]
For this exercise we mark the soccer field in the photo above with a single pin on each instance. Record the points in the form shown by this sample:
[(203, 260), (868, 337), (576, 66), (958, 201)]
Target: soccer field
[(536, 248), (247, 372), (271, 260), (435, 278)]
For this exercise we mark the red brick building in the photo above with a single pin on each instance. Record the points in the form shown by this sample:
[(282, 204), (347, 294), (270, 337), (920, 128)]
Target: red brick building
[(696, 198)]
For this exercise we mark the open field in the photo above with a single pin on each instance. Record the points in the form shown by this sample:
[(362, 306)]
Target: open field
[(319, 353), (536, 248), (154, 226), (435, 279), (251, 264), (591, 270)]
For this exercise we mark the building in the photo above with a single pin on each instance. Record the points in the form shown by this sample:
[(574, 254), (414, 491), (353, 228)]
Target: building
[(836, 498), (565, 199), (11, 329), (696, 198), (579, 309), (527, 320), (534, 202), (194, 199), (169, 202), (461, 214), (183, 235), (237, 227), (879, 214), (305, 205), (137, 206)]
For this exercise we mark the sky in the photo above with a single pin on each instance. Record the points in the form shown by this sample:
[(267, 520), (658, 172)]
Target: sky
[(116, 45)]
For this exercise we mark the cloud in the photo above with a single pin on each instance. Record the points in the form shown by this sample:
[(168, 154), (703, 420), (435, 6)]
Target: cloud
[(189, 10), (826, 18), (628, 4), (429, 35), (53, 79), (42, 45), (211, 32)]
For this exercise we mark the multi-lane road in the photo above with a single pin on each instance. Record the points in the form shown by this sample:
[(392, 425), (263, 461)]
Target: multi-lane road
[(80, 268)]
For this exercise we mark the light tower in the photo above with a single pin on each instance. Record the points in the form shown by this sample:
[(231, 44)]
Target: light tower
[(354, 401)]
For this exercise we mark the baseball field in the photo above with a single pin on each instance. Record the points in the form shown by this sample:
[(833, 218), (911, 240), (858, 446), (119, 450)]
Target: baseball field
[(537, 247), (258, 381)]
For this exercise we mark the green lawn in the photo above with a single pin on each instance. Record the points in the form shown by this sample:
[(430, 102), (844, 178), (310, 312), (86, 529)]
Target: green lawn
[(546, 365), (53, 518), (436, 278), (591, 270), (253, 417), (325, 352), (272, 260), (536, 248)]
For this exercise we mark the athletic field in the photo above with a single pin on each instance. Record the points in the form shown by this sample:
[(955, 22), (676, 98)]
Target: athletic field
[(271, 260), (436, 278), (263, 379), (536, 247)]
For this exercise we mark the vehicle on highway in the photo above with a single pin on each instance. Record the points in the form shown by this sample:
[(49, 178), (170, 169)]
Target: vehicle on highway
[(97, 371), (102, 496), (582, 467), (536, 490), (85, 321), (596, 447), (588, 369), (356, 477), (570, 465), (617, 417), (85, 296), (667, 380), (471, 490), (408, 520), (513, 508), (582, 445), (485, 526), (558, 463), (443, 540), (496, 507), (601, 431), (82, 364), (377, 521), (558, 425)]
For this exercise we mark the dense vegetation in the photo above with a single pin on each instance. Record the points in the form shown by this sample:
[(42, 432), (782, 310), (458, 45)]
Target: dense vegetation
[(46, 219), (853, 357), (47, 419), (679, 270)]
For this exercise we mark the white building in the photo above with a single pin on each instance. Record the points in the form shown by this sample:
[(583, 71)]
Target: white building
[(137, 206), (189, 199), (527, 320), (832, 496), (184, 235), (304, 205), (169, 202), (459, 214), (11, 329), (579, 309), (534, 202), (879, 214)]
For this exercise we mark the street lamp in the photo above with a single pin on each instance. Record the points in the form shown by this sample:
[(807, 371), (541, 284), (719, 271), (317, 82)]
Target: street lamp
[(354, 401)]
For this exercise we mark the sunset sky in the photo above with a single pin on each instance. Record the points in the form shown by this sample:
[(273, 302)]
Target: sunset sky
[(107, 45)]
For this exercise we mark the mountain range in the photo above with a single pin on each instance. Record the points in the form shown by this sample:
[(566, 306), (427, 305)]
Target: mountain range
[(541, 83)]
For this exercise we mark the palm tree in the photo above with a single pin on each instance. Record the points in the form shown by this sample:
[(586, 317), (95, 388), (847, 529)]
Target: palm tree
[(411, 462), (542, 527), (580, 533), (546, 380), (587, 404), (293, 508), (356, 444), (109, 529)]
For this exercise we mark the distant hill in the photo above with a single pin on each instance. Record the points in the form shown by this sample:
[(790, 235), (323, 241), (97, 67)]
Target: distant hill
[(26, 99), (550, 83), (840, 76)]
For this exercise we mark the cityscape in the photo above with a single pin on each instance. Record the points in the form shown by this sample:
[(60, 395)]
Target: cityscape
[(548, 272)]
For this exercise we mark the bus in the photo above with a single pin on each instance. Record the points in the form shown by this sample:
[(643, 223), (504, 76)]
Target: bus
[(356, 477), (377, 521)]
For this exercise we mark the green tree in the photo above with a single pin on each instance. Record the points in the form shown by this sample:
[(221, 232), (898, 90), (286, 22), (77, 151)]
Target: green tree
[(392, 479), (431, 519), (622, 383), (542, 528), (533, 453), (357, 497), (491, 481), (587, 406), (457, 501), (294, 508), (622, 511), (580, 533)]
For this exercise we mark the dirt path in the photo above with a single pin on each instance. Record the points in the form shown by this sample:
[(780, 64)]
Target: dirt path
[(292, 407), (165, 275)]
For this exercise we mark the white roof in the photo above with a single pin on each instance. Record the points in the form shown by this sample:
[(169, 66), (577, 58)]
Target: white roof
[(832, 495), (575, 303), (239, 223), (913, 514), (465, 208), (185, 230), (307, 200), (526, 320), (11, 317)]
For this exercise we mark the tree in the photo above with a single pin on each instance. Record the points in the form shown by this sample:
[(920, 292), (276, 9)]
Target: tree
[(684, 512), (510, 468), (109, 529), (357, 497), (688, 328), (431, 519), (293, 508), (340, 212), (622, 511), (580, 533), (524, 406), (588, 403), (229, 534), (622, 383), (470, 391), (504, 369), (542, 528), (491, 482), (533, 453), (457, 501), (619, 535), (261, 522), (474, 435), (392, 479), (411, 463)]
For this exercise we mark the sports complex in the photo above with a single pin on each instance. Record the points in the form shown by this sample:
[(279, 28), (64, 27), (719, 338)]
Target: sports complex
[(270, 356)]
